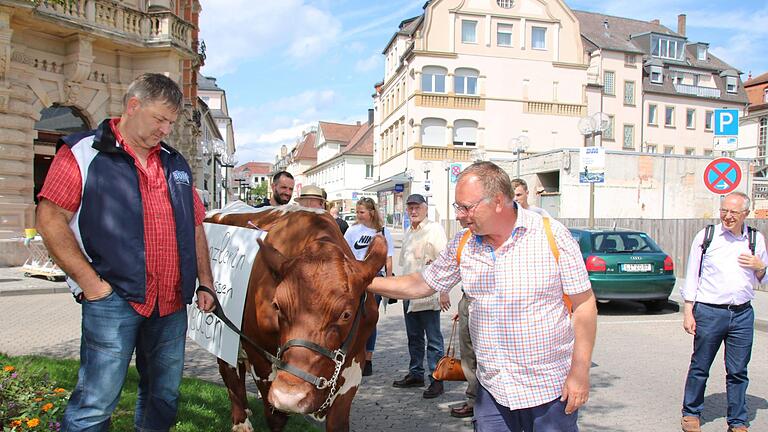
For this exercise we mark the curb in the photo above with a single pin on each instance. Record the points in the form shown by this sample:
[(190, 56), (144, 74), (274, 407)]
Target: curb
[(29, 291)]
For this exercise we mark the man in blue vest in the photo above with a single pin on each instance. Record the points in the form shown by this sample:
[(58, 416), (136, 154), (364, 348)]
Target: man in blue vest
[(119, 214)]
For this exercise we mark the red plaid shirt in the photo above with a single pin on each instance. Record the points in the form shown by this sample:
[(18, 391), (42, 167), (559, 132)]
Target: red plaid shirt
[(63, 186)]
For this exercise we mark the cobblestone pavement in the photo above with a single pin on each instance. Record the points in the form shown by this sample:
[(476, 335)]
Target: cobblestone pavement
[(640, 363)]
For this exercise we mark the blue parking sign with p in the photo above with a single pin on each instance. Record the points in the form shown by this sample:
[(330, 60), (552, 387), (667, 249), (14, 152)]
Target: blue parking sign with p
[(726, 122)]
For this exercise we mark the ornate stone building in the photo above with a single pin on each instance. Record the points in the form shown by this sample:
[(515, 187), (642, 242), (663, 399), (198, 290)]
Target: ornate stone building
[(65, 68)]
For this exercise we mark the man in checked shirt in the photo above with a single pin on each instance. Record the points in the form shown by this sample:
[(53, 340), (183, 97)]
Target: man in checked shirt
[(118, 213), (532, 359)]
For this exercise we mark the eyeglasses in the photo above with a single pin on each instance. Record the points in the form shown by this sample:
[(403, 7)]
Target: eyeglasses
[(726, 212), (466, 209)]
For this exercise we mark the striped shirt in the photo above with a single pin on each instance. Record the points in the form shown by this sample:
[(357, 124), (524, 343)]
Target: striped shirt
[(63, 186), (519, 326)]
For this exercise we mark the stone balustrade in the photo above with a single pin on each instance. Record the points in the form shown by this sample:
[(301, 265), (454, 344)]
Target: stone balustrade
[(452, 101), (455, 154), (118, 19), (555, 108)]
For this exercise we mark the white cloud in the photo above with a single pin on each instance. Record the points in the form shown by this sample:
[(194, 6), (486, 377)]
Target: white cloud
[(236, 31), (368, 64)]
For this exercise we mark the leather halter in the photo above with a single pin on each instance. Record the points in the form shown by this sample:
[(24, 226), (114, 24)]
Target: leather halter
[(338, 356)]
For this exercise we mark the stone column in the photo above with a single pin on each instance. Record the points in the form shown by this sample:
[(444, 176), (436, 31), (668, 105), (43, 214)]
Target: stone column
[(16, 137)]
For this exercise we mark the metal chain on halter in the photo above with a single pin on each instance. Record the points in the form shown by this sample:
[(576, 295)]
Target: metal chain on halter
[(339, 361)]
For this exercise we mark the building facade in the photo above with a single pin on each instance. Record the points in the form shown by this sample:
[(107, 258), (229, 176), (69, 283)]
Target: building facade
[(65, 68), (753, 139), (504, 80), (218, 148)]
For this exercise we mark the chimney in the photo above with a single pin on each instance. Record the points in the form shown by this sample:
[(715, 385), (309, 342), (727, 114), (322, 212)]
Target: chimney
[(655, 21), (358, 122), (681, 24), (370, 116)]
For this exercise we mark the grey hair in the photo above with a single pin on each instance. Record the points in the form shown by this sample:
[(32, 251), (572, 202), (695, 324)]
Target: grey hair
[(745, 197), (154, 87), (494, 179)]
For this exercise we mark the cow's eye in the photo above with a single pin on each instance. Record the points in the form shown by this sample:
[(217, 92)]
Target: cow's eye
[(346, 316), (276, 306)]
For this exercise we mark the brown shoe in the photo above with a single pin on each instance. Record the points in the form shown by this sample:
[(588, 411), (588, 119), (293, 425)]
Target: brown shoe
[(691, 424), (462, 411), (738, 429)]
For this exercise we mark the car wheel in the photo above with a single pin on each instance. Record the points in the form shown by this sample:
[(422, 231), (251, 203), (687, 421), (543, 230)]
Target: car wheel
[(655, 305)]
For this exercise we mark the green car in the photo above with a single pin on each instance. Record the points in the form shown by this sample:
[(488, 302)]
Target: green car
[(626, 265)]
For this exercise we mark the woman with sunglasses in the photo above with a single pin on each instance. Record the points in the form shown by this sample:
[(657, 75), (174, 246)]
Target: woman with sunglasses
[(359, 236)]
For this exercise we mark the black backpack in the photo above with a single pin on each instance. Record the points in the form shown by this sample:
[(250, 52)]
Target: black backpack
[(709, 234)]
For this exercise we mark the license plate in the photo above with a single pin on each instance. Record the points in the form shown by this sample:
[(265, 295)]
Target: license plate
[(637, 268)]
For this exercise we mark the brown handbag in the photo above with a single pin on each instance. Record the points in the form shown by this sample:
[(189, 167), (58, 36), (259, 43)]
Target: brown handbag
[(449, 367)]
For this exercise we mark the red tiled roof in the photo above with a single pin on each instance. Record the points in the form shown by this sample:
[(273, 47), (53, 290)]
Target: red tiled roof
[(306, 148), (760, 79), (254, 168), (362, 143), (338, 132)]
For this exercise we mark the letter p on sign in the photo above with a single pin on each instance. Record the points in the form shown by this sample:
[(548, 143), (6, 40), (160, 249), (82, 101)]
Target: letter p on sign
[(726, 122)]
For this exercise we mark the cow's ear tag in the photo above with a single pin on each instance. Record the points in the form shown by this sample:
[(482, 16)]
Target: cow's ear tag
[(274, 259)]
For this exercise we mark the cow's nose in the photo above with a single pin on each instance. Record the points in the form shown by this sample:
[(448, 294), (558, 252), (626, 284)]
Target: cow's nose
[(288, 398)]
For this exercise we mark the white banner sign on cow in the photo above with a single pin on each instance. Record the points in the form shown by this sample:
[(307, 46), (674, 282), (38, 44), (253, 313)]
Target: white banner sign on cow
[(232, 252)]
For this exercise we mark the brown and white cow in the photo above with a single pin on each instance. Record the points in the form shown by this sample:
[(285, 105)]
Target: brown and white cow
[(305, 285)]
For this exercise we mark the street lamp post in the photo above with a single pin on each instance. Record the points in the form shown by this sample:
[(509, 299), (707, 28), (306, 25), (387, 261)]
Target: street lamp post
[(447, 167), (227, 161), (519, 145)]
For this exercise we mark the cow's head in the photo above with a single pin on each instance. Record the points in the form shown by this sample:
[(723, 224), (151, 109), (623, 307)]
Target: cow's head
[(318, 300)]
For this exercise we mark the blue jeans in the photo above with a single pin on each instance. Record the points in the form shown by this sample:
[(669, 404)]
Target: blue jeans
[(548, 417), (370, 344), (417, 325), (713, 327), (111, 330)]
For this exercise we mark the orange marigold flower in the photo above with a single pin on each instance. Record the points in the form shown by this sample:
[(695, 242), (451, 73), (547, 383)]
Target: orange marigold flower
[(59, 390), (9, 368), (33, 423), (16, 423), (47, 406), (38, 399)]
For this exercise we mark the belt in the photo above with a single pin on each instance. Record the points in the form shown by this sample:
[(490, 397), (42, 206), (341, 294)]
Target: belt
[(730, 307)]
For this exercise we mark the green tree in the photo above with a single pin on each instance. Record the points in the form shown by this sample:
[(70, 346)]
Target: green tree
[(259, 192)]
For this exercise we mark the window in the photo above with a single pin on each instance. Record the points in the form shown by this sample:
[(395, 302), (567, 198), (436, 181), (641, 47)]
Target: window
[(433, 132), (669, 116), (701, 52), (709, 152), (652, 115), (651, 148), (690, 118), (657, 77), (731, 84), (505, 4), (762, 137), (465, 133), (629, 137), (609, 83), (690, 151), (468, 31), (433, 79), (538, 38), (504, 35), (630, 59), (765, 95), (668, 149), (465, 81), (629, 93), (708, 116), (608, 133), (665, 48), (368, 170)]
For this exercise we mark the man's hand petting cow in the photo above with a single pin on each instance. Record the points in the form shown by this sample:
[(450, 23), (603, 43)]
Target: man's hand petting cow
[(308, 308)]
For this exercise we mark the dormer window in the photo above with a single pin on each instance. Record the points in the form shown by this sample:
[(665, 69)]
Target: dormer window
[(657, 75), (765, 95), (701, 52), (731, 84), (666, 47)]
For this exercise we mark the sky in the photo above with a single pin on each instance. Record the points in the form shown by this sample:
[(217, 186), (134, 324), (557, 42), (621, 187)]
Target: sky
[(287, 64)]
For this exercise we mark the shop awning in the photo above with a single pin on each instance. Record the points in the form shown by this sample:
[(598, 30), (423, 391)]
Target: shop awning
[(388, 183)]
